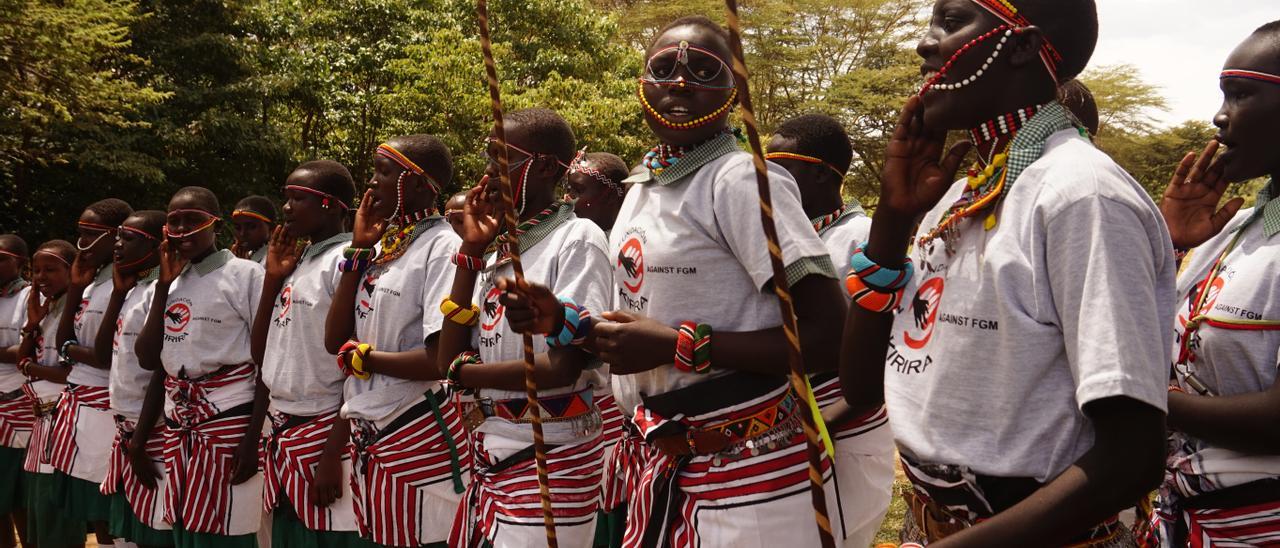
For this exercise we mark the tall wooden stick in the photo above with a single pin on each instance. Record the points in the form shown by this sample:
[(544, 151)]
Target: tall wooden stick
[(794, 359), (512, 221)]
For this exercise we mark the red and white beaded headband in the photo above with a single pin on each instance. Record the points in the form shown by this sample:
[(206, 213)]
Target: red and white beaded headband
[(1007, 12), (579, 165), (1251, 75), (325, 197), (389, 152), (54, 255)]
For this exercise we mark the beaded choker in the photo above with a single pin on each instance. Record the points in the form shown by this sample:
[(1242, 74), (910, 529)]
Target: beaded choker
[(530, 232), (1007, 124), (821, 224), (412, 218), (663, 156)]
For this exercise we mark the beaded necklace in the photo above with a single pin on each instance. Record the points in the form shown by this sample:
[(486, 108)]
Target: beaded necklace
[(822, 223), (663, 156), (692, 124), (401, 234), (502, 244)]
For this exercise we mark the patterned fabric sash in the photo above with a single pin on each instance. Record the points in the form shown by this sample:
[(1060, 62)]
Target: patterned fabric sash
[(74, 398), (16, 419), (120, 473), (391, 465), (552, 408), (764, 434), (292, 453), (623, 469), (199, 449), (41, 443), (1241, 515), (507, 491)]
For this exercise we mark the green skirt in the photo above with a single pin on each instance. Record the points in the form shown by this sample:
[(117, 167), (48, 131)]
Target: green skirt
[(183, 538), (126, 525), (81, 500), (287, 531), (610, 526), (12, 496), (48, 524)]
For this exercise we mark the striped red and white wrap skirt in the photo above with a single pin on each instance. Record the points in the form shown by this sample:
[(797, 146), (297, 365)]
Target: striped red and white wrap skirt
[(503, 505), (198, 454), (82, 432), (39, 458), (1241, 515), (16, 419), (752, 494), (622, 467), (408, 477), (292, 452), (144, 502)]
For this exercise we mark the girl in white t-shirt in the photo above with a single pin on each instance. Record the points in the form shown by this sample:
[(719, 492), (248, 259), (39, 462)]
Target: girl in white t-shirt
[(47, 525), (15, 408), (1023, 371), (1222, 476), (727, 461)]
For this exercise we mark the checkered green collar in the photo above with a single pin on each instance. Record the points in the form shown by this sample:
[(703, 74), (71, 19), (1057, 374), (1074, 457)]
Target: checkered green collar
[(1028, 145), (322, 246), (1267, 207), (212, 262), (726, 143)]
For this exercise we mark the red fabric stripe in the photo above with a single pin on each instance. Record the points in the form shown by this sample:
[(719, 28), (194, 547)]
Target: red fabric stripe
[(68, 413), (120, 473), (291, 457), (1256, 525), (16, 420)]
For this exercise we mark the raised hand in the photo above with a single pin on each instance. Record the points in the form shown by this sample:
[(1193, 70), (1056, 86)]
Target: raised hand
[(1190, 203), (37, 308), (121, 280), (82, 272), (481, 216), (530, 308), (367, 230), (171, 263), (916, 174), (632, 344), (283, 253)]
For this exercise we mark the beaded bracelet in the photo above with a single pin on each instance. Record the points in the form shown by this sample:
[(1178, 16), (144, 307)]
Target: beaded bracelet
[(359, 253), (32, 331), (24, 365), (880, 277), (468, 262), (454, 312), (65, 359), (870, 298), (454, 374), (353, 265), (358, 351), (693, 348), (575, 327)]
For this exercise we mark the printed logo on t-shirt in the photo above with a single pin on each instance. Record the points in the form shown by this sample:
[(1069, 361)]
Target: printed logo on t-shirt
[(284, 302), (364, 295), (39, 348), (176, 319), (84, 305), (629, 270), (1209, 300), (924, 309), (115, 339), (491, 311)]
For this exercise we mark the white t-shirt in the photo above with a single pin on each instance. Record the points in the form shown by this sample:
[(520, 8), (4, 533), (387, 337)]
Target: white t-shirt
[(47, 353), (1232, 362), (572, 262), (13, 315), (129, 380), (303, 377), (842, 239), (996, 349), (88, 318), (694, 250), (207, 320), (397, 308)]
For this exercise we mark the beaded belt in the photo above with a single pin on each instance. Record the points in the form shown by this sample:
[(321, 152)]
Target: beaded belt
[(551, 408), (744, 437)]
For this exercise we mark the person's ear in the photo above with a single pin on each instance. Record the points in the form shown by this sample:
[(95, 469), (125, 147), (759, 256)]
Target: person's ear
[(1025, 46)]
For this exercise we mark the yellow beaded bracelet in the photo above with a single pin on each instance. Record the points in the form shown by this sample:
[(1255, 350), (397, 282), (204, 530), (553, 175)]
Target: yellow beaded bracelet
[(453, 312), (357, 361)]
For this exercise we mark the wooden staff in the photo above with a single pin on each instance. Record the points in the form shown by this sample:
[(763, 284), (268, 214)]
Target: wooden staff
[(512, 221), (795, 360)]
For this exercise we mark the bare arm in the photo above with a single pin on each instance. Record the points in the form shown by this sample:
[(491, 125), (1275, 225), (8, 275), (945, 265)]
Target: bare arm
[(1244, 422)]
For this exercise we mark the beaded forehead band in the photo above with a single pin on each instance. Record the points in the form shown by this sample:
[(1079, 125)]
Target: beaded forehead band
[(213, 219), (803, 158), (387, 151), (325, 197), (138, 232), (1014, 23), (579, 165), (103, 229), (242, 213), (682, 58), (1251, 75), (54, 255)]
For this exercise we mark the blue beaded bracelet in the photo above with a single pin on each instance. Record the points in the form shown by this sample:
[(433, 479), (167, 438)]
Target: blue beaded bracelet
[(353, 265), (880, 278), (576, 326)]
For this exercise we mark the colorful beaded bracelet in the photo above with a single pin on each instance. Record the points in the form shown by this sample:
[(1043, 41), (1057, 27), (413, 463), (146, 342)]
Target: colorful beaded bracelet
[(468, 262), (359, 253), (358, 351), (575, 327), (870, 298), (880, 277), (454, 374), (455, 313), (353, 265), (693, 348)]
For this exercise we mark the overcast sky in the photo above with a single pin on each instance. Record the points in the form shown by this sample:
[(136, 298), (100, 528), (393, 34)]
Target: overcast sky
[(1179, 45)]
